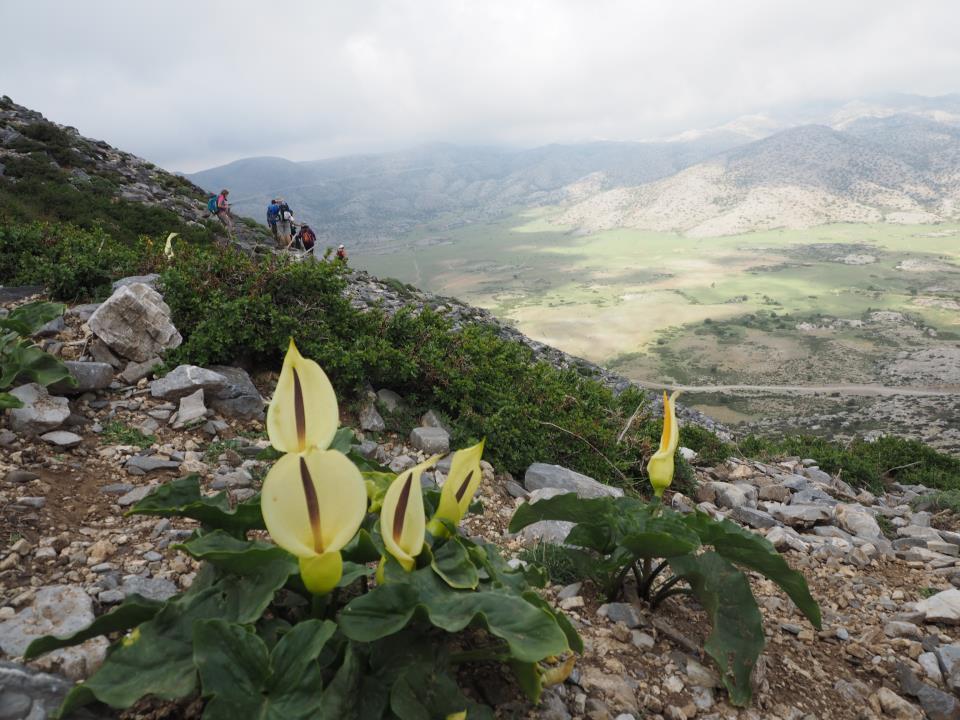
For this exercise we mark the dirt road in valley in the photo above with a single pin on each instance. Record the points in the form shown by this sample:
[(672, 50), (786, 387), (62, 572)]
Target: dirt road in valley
[(843, 389)]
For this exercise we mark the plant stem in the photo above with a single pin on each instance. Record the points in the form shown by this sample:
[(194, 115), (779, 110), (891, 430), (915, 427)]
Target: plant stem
[(480, 654), (661, 596), (649, 577)]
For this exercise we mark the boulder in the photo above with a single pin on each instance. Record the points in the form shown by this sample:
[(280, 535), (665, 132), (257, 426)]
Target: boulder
[(240, 398), (432, 419), (371, 420), (136, 371), (135, 323), (552, 532), (148, 280), (944, 607), (90, 376), (856, 520), (724, 495), (801, 515), (753, 518), (41, 411), (389, 400), (56, 610), (542, 475), (191, 409), (62, 438), (35, 695), (185, 380), (431, 440)]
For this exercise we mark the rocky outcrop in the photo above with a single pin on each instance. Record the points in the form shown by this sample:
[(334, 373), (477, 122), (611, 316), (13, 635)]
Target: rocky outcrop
[(135, 322), (41, 411)]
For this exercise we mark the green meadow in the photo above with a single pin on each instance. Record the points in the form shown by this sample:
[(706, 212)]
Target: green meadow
[(660, 306)]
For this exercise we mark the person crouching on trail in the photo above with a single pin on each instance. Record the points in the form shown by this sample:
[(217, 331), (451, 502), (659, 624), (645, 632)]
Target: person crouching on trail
[(284, 224), (273, 216), (341, 255), (223, 210), (305, 239)]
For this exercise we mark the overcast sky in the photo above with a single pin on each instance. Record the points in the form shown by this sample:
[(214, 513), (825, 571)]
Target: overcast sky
[(190, 85)]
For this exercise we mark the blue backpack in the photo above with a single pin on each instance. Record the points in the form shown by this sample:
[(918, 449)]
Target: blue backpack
[(212, 205)]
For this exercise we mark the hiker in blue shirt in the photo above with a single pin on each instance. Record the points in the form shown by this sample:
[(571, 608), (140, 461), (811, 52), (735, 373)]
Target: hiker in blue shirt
[(273, 215)]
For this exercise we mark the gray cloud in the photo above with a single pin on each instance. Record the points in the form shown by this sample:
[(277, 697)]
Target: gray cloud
[(190, 85)]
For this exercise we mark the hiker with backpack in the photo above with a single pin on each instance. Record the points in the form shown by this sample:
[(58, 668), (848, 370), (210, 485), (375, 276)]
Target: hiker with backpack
[(341, 255), (219, 206), (273, 216), (305, 239), (284, 224)]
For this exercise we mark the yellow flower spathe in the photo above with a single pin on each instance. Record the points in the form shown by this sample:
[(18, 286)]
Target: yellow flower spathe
[(458, 489), (660, 465), (303, 413), (313, 499), (402, 518)]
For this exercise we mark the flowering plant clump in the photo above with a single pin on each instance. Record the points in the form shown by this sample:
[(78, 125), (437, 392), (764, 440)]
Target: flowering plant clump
[(360, 608), (616, 540)]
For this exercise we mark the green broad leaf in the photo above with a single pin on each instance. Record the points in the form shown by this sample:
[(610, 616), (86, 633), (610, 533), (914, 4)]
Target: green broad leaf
[(342, 440), (8, 401), (377, 484), (568, 507), (528, 678), (498, 573), (29, 318), (661, 536), (130, 613), (452, 562), (736, 639), (365, 464), (427, 692), (29, 363), (361, 549), (242, 679), (240, 557), (353, 572), (182, 498), (573, 637), (746, 548), (340, 696), (157, 657), (531, 632), (269, 454)]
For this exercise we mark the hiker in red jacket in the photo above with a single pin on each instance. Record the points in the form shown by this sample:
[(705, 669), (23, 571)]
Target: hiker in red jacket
[(223, 210)]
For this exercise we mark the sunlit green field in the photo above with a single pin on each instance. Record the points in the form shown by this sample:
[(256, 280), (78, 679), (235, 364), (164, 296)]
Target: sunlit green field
[(614, 293)]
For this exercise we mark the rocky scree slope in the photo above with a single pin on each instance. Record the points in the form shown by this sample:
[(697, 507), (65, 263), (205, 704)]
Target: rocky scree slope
[(45, 168), (884, 568)]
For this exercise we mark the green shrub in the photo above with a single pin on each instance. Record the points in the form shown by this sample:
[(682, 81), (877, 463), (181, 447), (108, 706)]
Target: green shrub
[(710, 449), (73, 264), (866, 464)]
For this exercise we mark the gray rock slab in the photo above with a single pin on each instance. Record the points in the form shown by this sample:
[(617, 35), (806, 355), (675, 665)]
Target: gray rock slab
[(44, 693), (192, 409), (815, 473), (62, 438), (185, 380), (148, 280), (134, 496), (551, 532), (753, 518), (389, 400), (431, 440), (135, 323), (856, 520), (41, 411), (152, 588), (240, 398), (944, 607), (371, 420), (149, 463), (431, 418), (802, 515), (542, 475), (625, 613), (82, 312), (134, 372), (90, 377)]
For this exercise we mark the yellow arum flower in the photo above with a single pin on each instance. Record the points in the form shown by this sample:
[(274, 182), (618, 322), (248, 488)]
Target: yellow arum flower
[(313, 499), (462, 715), (458, 489), (402, 519), (660, 466), (303, 413), (313, 504), (168, 248)]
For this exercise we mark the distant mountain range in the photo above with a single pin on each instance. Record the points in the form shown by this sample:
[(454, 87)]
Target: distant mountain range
[(894, 159)]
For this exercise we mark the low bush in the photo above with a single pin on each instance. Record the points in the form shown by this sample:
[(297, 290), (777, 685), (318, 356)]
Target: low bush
[(866, 464)]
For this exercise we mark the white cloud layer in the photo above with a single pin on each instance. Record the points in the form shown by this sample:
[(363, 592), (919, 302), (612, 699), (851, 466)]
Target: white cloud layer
[(194, 84)]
